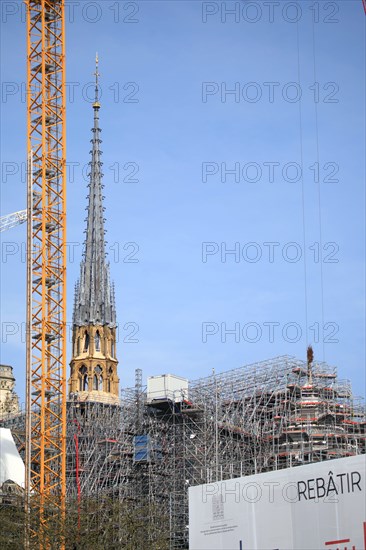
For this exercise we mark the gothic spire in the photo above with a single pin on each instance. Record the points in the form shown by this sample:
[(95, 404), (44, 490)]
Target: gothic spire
[(94, 297)]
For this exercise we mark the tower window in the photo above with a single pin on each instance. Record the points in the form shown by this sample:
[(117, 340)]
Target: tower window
[(86, 341), (97, 341), (83, 378), (110, 376), (98, 378), (78, 346)]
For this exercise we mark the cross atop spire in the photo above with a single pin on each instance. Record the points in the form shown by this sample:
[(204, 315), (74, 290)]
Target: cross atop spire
[(94, 296)]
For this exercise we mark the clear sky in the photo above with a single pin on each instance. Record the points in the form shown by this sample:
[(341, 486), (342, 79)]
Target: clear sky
[(193, 171)]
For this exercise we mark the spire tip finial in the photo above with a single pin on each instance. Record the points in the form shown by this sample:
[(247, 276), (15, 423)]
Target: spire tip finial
[(96, 104)]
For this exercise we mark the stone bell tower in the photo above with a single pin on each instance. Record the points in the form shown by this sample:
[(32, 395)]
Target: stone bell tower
[(94, 363), (9, 401)]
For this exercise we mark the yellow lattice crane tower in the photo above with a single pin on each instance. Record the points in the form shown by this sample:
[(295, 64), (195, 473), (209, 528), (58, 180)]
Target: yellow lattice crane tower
[(46, 268)]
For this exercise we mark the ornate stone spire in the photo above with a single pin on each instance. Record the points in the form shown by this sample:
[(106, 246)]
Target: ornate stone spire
[(94, 296)]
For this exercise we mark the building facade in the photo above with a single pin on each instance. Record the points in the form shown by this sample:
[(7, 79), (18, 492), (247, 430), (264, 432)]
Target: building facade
[(9, 401)]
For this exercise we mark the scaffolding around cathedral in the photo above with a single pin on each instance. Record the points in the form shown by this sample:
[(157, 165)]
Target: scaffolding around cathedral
[(129, 465), (266, 416), (136, 459)]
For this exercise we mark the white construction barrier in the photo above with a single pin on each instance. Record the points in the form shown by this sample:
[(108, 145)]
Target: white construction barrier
[(318, 506)]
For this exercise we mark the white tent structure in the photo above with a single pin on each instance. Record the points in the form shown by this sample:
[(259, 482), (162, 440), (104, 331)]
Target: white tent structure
[(11, 465)]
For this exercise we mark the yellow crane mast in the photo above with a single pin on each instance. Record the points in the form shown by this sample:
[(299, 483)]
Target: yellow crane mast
[(46, 269)]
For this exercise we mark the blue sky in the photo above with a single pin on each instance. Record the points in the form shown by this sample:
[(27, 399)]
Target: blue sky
[(178, 134)]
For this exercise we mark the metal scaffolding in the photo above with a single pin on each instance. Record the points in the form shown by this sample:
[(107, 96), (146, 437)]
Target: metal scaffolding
[(130, 465), (266, 416)]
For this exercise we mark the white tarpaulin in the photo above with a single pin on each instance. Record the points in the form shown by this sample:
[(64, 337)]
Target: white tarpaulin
[(318, 506), (11, 465)]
